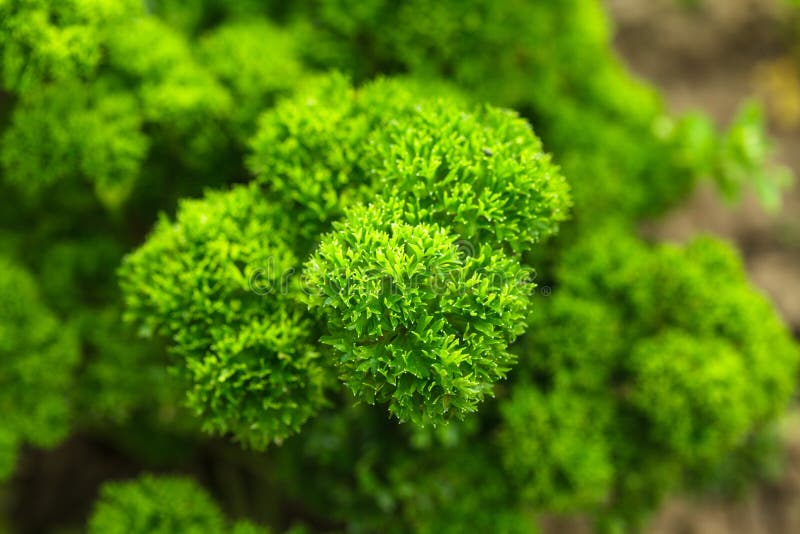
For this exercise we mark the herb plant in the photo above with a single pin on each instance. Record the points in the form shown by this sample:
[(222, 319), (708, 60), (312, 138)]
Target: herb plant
[(382, 257)]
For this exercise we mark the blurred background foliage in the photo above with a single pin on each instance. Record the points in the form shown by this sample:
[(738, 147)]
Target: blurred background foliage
[(112, 112)]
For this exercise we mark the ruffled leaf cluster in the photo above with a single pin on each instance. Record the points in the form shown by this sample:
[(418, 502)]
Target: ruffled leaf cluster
[(161, 505), (675, 348), (217, 282)]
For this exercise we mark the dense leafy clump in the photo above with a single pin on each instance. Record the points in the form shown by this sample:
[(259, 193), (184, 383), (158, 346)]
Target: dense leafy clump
[(625, 155), (308, 153), (43, 41), (318, 152), (676, 347), (466, 324), (235, 53), (553, 61), (454, 491), (43, 148), (554, 449), (187, 186), (417, 320), (218, 282), (665, 395), (482, 174), (37, 356), (355, 467), (420, 319), (103, 91), (161, 505)]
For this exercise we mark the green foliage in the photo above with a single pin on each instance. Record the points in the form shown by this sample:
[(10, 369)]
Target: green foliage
[(736, 159), (417, 321), (235, 54), (246, 527), (122, 376), (161, 505), (102, 89), (388, 232), (183, 101), (42, 148), (195, 17), (699, 418), (308, 153), (676, 348), (483, 175), (8, 452), (511, 199), (742, 158), (456, 491), (217, 282), (43, 41), (555, 448), (354, 466), (37, 356), (319, 152), (609, 132)]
